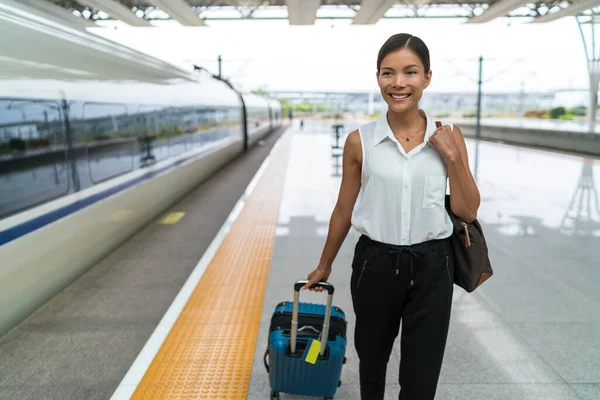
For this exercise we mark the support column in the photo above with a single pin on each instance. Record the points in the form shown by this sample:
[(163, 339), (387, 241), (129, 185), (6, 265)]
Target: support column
[(588, 36), (594, 74)]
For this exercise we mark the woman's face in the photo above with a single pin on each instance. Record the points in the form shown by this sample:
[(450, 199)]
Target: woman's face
[(402, 79)]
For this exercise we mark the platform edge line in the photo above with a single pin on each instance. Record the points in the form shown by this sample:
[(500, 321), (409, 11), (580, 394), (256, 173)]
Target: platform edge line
[(146, 356)]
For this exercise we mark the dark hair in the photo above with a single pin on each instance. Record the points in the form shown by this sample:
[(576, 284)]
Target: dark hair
[(400, 41)]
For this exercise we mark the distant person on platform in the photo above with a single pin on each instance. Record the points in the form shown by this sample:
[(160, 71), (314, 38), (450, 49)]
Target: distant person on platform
[(291, 114), (394, 181)]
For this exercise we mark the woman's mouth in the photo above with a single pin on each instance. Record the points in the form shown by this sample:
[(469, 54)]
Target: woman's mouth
[(399, 96)]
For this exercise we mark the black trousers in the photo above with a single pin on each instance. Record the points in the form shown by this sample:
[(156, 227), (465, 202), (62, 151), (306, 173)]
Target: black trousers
[(409, 283)]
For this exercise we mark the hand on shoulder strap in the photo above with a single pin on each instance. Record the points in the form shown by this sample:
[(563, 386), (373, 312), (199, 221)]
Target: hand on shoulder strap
[(442, 139)]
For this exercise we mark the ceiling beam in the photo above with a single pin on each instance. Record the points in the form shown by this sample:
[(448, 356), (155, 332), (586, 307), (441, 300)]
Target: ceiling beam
[(116, 10), (498, 9), (572, 9), (372, 11), (179, 10), (302, 12)]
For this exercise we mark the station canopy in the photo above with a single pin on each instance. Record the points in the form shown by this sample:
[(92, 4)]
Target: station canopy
[(305, 12)]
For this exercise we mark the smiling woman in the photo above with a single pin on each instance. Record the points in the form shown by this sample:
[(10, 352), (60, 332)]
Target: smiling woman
[(403, 71), (393, 189)]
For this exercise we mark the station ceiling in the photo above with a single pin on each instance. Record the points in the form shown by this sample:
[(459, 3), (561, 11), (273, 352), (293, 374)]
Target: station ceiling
[(305, 12)]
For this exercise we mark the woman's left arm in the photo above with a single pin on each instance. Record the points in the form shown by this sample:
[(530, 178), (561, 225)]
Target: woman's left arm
[(464, 198)]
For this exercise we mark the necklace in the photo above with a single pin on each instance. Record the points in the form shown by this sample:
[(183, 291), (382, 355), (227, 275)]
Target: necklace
[(407, 138)]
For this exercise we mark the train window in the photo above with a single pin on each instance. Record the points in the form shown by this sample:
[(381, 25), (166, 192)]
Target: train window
[(223, 125), (110, 142), (145, 125), (206, 123), (33, 164), (153, 145), (235, 123), (216, 125), (178, 127)]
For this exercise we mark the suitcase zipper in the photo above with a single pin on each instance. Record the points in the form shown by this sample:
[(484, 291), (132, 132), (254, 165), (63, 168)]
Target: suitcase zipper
[(448, 270), (361, 274)]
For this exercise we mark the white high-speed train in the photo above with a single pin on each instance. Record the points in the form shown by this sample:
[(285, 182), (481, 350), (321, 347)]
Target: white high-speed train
[(97, 140)]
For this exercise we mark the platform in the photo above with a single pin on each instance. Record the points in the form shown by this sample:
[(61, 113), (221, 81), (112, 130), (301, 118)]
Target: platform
[(530, 333)]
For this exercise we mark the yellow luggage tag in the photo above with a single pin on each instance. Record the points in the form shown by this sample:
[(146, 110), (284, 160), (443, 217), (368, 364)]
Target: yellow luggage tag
[(313, 352)]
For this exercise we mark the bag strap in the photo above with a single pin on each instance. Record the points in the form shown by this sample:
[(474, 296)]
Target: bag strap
[(438, 124)]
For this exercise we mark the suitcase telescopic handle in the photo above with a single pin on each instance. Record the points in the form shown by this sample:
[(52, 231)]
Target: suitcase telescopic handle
[(325, 331), (325, 285)]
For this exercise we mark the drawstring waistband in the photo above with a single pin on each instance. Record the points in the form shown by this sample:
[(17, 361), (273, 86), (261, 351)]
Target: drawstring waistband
[(395, 249), (412, 253)]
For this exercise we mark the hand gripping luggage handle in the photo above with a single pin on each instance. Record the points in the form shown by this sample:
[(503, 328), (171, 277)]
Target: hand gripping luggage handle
[(325, 331), (325, 285)]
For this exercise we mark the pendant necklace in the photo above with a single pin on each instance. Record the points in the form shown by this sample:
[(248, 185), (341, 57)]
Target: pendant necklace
[(407, 138)]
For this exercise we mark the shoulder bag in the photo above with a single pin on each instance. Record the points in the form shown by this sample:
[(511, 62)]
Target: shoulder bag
[(472, 265)]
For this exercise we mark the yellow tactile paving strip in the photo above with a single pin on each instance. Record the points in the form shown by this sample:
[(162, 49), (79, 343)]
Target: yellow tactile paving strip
[(210, 350)]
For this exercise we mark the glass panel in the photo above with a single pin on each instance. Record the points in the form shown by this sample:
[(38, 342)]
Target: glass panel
[(111, 146), (173, 131), (33, 167), (178, 126), (258, 119), (214, 125), (143, 124), (152, 146)]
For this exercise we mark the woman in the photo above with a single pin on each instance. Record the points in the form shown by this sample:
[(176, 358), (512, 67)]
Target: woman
[(392, 192)]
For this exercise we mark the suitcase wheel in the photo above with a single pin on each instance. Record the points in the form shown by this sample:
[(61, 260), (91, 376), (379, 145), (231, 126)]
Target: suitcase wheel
[(339, 383), (274, 395)]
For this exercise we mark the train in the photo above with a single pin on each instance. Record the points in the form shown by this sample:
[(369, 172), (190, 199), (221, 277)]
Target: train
[(96, 141)]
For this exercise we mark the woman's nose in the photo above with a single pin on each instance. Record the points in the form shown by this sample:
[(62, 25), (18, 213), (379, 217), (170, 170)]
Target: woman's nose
[(399, 80)]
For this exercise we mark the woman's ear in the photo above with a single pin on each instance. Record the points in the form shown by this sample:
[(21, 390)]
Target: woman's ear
[(427, 78)]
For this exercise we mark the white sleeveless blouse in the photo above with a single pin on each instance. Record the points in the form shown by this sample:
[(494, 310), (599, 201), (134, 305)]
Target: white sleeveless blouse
[(401, 199)]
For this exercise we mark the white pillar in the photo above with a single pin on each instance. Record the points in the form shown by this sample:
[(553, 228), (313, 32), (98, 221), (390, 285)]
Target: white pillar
[(522, 100), (594, 80), (593, 59)]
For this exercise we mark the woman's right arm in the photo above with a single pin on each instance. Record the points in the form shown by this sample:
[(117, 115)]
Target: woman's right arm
[(339, 224)]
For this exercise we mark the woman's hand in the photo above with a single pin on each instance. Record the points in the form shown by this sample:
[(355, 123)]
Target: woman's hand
[(321, 274), (445, 143)]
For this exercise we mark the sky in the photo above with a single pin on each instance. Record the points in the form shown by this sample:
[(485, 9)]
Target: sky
[(333, 55)]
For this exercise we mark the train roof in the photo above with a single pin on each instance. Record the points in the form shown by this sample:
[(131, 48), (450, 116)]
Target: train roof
[(40, 58)]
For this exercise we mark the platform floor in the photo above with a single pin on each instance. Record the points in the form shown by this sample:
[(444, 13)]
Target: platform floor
[(532, 332)]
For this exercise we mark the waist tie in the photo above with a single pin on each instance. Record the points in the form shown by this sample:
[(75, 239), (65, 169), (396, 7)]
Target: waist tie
[(412, 253)]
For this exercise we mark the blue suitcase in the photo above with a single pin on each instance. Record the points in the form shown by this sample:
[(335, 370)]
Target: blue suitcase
[(289, 372)]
